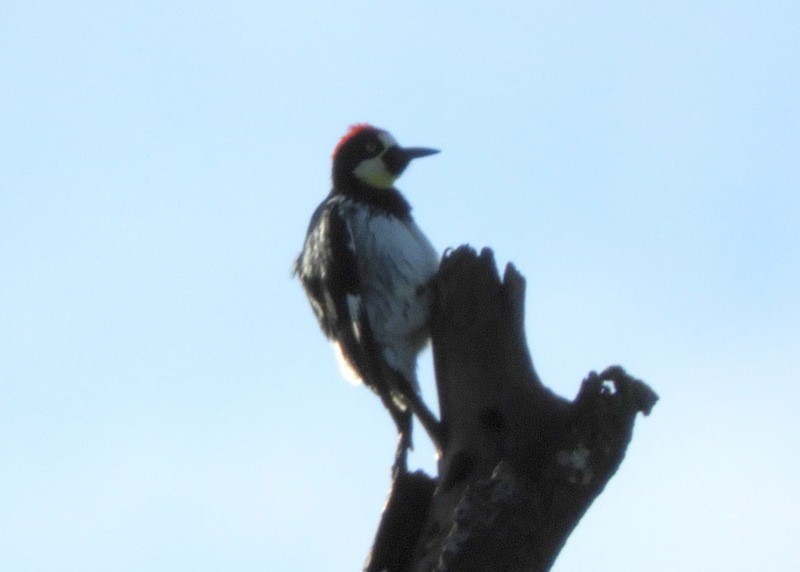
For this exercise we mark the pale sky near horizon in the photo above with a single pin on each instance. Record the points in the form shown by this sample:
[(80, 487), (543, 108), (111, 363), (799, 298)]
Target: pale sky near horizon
[(168, 402)]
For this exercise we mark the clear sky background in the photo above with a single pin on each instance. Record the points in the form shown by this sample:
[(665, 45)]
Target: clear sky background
[(166, 399)]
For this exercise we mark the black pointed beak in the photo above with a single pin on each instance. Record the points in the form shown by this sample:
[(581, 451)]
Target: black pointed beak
[(398, 158), (417, 152)]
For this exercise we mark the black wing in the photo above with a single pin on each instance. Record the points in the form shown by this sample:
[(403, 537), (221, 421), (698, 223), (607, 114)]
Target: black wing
[(329, 271)]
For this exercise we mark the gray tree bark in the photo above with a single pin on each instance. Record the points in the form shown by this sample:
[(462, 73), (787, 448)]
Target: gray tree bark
[(520, 465)]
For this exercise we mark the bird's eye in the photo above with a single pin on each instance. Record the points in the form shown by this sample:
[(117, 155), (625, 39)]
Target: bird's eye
[(373, 148)]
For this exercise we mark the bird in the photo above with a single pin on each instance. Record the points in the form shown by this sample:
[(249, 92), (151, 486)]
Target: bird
[(366, 268)]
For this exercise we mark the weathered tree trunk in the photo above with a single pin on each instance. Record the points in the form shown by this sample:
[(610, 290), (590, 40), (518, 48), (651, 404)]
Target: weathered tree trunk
[(520, 465)]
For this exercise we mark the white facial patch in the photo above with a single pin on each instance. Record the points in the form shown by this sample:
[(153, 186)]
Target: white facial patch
[(373, 171)]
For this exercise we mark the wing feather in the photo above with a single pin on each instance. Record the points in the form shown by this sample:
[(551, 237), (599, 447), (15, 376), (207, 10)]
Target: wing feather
[(330, 274)]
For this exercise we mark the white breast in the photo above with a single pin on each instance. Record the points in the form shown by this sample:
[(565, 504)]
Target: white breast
[(396, 262)]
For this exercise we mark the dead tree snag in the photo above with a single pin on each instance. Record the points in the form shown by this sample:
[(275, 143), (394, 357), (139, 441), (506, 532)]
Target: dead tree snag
[(520, 465)]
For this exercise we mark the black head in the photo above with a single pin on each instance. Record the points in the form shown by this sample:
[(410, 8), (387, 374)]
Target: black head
[(370, 157)]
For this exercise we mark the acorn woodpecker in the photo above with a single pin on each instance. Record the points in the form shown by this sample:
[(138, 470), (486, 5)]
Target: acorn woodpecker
[(366, 268)]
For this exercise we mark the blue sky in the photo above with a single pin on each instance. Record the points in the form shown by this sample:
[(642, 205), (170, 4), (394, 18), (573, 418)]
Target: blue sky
[(167, 400)]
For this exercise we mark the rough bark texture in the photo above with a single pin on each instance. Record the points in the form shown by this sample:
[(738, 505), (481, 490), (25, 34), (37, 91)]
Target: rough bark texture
[(520, 465)]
